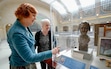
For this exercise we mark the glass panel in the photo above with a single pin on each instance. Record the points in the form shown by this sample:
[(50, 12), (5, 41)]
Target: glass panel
[(37, 24), (70, 5), (47, 1), (85, 3), (105, 6), (59, 7)]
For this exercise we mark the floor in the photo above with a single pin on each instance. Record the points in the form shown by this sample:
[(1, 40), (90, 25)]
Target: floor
[(4, 54)]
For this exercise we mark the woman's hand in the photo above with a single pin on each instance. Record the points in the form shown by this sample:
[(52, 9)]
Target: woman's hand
[(56, 50)]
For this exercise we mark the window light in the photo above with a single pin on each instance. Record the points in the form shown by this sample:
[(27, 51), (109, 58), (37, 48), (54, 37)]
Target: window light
[(85, 3), (59, 7), (70, 5), (48, 1)]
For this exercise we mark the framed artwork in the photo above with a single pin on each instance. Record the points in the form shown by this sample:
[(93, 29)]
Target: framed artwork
[(104, 47), (65, 28), (97, 31)]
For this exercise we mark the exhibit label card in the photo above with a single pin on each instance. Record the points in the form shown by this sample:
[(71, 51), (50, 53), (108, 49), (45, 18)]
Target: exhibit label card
[(70, 63)]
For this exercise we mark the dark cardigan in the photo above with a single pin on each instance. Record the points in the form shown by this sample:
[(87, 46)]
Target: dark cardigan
[(37, 38)]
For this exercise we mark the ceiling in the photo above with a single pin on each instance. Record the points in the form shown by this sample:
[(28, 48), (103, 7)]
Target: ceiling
[(74, 10), (78, 10), (68, 6)]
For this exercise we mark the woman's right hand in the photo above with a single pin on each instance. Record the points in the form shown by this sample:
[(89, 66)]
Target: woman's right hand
[(56, 50)]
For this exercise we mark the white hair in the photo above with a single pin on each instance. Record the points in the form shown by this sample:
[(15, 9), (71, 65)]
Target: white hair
[(44, 21)]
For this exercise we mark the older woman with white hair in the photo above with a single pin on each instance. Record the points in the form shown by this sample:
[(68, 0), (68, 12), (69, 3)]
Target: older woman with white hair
[(43, 40)]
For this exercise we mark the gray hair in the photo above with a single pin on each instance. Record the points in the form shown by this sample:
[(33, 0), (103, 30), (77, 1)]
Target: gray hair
[(45, 20)]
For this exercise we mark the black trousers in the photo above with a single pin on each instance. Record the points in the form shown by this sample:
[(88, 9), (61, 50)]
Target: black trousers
[(44, 65)]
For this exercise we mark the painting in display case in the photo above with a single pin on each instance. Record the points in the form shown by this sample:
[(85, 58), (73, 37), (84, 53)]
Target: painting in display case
[(104, 47)]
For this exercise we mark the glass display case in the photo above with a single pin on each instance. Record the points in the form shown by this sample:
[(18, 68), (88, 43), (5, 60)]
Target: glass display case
[(65, 25)]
